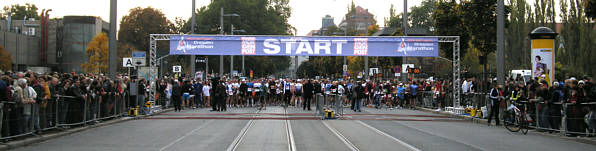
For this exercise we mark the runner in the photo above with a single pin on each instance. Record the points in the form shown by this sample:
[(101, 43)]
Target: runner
[(298, 92)]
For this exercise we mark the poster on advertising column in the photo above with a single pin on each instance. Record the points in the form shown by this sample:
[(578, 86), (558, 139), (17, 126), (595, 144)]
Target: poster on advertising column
[(543, 59)]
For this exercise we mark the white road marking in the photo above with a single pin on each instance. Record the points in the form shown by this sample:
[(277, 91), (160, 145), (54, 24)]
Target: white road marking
[(341, 137), (471, 145), (241, 135), (290, 133), (186, 135), (387, 135)]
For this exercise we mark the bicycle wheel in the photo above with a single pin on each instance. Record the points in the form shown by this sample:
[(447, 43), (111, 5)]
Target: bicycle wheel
[(523, 125), (512, 122)]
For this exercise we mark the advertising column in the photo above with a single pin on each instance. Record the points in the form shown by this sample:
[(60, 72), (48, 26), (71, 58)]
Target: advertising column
[(543, 54)]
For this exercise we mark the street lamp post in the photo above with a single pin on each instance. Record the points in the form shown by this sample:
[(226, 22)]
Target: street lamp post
[(366, 58), (192, 31), (232, 30), (405, 26), (221, 32)]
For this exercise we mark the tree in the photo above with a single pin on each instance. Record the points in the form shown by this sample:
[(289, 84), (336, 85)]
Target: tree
[(517, 49), (333, 31), (5, 59), (20, 11), (124, 50), (575, 56), (97, 50), (421, 16), (139, 23), (257, 17), (449, 22), (590, 8)]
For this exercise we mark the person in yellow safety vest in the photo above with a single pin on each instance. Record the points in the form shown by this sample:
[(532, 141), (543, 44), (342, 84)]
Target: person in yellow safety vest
[(515, 95)]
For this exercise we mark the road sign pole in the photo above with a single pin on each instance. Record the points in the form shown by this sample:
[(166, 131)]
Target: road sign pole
[(192, 31)]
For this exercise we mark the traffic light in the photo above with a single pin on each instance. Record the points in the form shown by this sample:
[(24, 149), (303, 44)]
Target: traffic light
[(414, 70)]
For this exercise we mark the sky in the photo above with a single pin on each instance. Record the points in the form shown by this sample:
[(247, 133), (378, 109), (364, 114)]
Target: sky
[(306, 14)]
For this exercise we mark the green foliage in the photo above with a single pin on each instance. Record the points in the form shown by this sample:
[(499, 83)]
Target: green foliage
[(5, 60), (20, 11), (421, 16), (578, 36), (450, 22), (124, 50), (517, 49), (334, 31), (480, 17), (257, 17), (139, 23)]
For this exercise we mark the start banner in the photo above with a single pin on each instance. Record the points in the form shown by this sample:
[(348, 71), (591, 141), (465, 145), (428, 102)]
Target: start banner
[(304, 46)]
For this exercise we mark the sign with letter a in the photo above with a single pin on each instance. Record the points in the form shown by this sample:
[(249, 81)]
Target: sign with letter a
[(127, 62)]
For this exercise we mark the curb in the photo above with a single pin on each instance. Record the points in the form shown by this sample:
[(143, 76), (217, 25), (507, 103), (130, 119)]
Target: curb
[(471, 119), (585, 140), (44, 137)]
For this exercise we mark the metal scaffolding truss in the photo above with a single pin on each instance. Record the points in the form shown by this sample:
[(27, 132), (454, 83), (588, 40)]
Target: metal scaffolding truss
[(153, 38)]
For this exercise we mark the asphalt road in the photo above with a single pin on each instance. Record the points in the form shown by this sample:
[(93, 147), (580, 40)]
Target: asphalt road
[(277, 128)]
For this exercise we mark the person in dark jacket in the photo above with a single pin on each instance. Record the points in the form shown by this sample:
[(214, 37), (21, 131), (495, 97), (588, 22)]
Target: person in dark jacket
[(176, 95), (198, 90), (359, 90), (496, 95), (74, 103), (186, 91), (307, 94), (219, 92), (141, 89), (554, 106)]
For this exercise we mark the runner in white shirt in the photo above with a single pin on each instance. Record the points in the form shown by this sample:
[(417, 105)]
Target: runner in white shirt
[(298, 93), (230, 93), (257, 89), (207, 98)]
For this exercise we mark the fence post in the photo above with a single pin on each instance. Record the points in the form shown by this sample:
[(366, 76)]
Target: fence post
[(1, 117), (564, 120), (537, 112), (85, 111), (31, 117), (57, 111)]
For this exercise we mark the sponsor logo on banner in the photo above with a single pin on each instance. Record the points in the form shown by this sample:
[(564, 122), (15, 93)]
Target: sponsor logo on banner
[(402, 47), (181, 45), (186, 44), (360, 46), (249, 45)]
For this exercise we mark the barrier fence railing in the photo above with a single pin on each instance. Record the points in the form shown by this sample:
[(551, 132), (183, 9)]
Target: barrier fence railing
[(566, 118), (59, 112), (329, 101)]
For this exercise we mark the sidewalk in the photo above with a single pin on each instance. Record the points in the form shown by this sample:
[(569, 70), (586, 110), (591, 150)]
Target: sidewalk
[(51, 135), (587, 140)]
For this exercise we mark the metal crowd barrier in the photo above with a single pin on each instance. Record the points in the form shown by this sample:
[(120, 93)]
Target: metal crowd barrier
[(60, 112), (565, 118), (319, 101), (329, 101)]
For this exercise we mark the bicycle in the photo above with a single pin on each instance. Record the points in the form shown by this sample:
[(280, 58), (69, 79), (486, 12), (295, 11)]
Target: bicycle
[(516, 120)]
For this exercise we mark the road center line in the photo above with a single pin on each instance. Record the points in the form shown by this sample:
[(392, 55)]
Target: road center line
[(387, 135), (186, 135), (341, 137)]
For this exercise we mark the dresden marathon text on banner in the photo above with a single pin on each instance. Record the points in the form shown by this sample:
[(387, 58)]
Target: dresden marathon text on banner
[(304, 46)]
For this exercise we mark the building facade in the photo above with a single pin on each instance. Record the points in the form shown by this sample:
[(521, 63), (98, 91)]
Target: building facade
[(357, 20), (67, 40)]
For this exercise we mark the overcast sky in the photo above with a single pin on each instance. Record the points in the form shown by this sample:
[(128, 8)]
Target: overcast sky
[(306, 14)]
